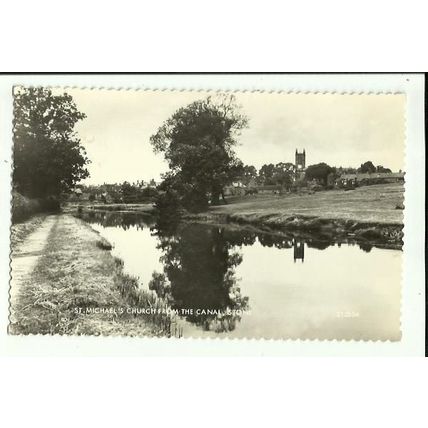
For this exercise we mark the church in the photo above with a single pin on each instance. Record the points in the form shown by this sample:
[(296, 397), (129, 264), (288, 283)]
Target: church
[(299, 165)]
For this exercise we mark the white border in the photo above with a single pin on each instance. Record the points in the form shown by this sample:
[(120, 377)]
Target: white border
[(413, 290)]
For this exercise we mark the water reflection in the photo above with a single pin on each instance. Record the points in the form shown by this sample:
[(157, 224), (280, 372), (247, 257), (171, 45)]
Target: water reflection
[(121, 219), (241, 282), (299, 250), (199, 276)]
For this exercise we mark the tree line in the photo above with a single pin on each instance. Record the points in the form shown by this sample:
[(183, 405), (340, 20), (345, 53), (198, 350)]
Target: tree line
[(198, 142), (124, 192)]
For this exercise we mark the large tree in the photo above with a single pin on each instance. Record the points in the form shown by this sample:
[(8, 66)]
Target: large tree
[(367, 167), (48, 156), (280, 174), (266, 173), (319, 171), (248, 174), (283, 172), (198, 143)]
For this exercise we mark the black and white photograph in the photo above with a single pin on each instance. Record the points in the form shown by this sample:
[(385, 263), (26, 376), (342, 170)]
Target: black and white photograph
[(196, 214)]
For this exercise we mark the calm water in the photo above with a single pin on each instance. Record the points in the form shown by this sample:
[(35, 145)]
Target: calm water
[(240, 283)]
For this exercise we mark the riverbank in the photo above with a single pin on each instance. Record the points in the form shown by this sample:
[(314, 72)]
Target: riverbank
[(134, 208), (371, 214), (74, 285)]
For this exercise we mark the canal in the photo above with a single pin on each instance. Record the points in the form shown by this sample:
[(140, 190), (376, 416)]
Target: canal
[(230, 281)]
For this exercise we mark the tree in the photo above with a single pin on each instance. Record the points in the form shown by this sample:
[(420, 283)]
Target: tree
[(348, 170), (319, 171), (197, 142), (48, 156), (282, 174), (128, 192), (266, 174), (249, 172), (382, 169), (367, 167)]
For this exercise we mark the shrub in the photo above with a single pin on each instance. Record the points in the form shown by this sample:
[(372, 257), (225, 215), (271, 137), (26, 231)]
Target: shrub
[(103, 244), (23, 207), (50, 204)]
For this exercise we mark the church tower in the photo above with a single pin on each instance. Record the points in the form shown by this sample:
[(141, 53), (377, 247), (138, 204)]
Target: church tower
[(300, 163)]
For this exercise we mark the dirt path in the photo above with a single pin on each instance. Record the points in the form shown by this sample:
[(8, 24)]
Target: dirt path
[(26, 255)]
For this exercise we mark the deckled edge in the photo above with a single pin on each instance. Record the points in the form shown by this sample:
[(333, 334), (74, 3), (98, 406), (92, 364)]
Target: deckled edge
[(204, 90), (209, 91), (12, 164), (403, 248)]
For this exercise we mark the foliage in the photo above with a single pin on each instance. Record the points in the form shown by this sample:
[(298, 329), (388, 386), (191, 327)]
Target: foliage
[(125, 192), (281, 174), (319, 172), (382, 169), (349, 170), (129, 193), (197, 142), (48, 156), (178, 193), (167, 206), (199, 265), (24, 207), (367, 167), (248, 174), (266, 174), (149, 192)]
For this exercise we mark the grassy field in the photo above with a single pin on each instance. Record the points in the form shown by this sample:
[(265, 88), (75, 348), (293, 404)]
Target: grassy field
[(74, 271), (368, 204)]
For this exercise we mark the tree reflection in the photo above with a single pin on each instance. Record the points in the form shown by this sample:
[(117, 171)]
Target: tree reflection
[(124, 220), (276, 241), (199, 275), (319, 244), (365, 246)]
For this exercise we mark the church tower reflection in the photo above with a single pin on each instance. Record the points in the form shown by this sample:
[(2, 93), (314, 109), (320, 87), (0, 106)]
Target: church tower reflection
[(299, 250)]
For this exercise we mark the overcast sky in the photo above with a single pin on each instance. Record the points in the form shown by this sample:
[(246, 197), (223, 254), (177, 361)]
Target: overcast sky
[(341, 130)]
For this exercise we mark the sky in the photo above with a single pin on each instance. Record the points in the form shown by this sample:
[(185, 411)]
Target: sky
[(341, 130)]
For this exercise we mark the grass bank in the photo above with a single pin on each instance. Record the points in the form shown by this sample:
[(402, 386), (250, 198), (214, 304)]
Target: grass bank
[(370, 213), (78, 287)]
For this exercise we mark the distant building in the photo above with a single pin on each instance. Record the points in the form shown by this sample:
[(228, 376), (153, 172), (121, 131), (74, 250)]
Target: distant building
[(350, 180), (300, 165)]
